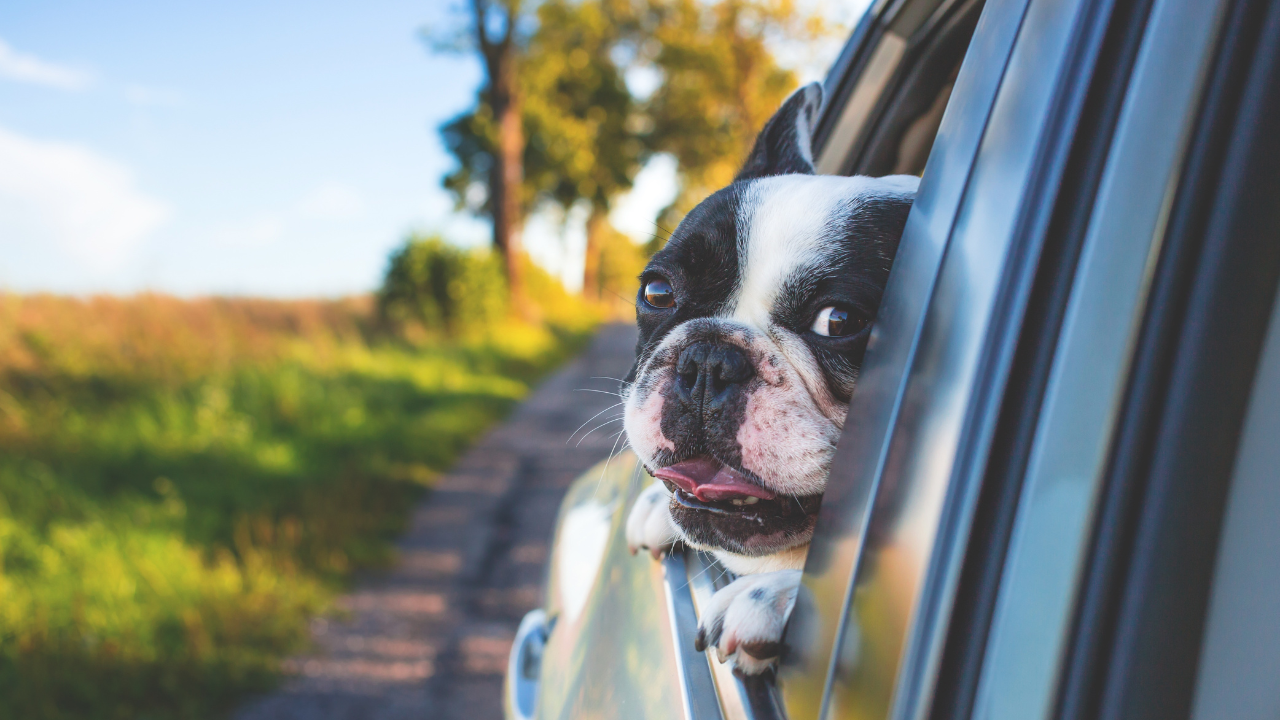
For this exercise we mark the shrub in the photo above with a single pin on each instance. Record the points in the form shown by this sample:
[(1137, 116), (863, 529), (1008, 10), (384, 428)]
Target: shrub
[(442, 289)]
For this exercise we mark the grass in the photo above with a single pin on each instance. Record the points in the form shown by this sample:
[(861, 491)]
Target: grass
[(184, 483)]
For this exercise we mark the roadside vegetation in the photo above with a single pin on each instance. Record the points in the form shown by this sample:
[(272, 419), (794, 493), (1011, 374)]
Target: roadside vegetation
[(184, 483)]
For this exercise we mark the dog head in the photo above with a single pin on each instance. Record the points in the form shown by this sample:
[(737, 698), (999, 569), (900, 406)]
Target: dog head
[(753, 320)]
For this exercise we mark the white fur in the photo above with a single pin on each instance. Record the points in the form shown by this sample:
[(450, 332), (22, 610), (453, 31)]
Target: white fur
[(787, 218), (649, 526), (789, 559), (807, 120), (751, 609)]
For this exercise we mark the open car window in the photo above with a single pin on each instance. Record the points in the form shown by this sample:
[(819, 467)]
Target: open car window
[(887, 97)]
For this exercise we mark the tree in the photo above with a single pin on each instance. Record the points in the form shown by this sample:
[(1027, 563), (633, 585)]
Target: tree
[(492, 137), (438, 288), (585, 135), (577, 117), (720, 83)]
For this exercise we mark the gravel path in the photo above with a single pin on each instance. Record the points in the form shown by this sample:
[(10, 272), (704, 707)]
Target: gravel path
[(429, 638)]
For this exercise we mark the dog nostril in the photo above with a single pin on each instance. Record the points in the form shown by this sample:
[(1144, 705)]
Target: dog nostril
[(689, 367), (687, 379), (716, 367), (734, 367)]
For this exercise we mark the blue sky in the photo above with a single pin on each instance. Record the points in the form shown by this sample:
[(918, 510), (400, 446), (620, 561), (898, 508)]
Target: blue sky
[(278, 149)]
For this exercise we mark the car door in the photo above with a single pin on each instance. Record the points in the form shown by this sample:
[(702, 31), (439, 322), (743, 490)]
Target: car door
[(1023, 519)]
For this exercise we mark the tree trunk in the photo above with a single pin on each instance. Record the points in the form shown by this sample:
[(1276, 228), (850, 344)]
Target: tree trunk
[(597, 225), (507, 174)]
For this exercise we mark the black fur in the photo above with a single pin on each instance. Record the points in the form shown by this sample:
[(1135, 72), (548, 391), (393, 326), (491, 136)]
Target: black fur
[(853, 276), (703, 261), (780, 148)]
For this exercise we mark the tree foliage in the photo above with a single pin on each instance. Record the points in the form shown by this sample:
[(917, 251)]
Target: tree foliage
[(587, 135), (578, 118), (720, 83)]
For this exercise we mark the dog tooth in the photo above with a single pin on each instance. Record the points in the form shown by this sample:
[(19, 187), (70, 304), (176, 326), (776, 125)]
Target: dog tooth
[(737, 501), (751, 500)]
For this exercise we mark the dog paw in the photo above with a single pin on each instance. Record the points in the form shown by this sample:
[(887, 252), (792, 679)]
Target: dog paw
[(745, 619), (649, 526)]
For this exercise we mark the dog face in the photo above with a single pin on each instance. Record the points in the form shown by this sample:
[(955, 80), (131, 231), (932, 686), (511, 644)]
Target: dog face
[(753, 320)]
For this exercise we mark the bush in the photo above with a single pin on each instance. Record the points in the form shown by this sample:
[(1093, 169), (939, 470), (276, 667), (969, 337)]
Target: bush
[(442, 289), (434, 290)]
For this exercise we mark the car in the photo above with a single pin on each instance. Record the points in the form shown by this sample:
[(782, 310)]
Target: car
[(1056, 493)]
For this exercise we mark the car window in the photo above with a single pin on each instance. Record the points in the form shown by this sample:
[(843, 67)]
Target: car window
[(823, 639), (888, 90)]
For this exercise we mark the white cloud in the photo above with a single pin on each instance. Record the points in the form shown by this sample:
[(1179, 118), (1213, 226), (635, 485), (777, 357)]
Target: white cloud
[(332, 201), (86, 206), (146, 96), (31, 69), (257, 232)]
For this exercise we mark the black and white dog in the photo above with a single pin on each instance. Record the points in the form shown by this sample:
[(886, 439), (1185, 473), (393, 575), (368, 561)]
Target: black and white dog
[(753, 320)]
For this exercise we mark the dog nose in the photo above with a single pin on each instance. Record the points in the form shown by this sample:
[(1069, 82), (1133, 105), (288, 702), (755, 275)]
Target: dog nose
[(712, 371)]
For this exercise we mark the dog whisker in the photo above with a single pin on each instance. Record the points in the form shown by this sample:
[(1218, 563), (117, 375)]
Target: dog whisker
[(593, 417), (612, 454), (723, 572), (607, 422), (695, 577), (605, 377), (602, 392)]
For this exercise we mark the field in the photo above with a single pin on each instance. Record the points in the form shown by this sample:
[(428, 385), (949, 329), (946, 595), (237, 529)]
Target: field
[(184, 483)]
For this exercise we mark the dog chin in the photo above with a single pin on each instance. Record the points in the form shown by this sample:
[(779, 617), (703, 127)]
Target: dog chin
[(765, 528)]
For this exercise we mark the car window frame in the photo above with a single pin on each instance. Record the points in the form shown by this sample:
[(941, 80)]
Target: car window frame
[(686, 572), (974, 218), (1025, 652), (1137, 642)]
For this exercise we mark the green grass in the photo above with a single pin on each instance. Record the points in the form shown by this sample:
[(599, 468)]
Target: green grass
[(168, 525)]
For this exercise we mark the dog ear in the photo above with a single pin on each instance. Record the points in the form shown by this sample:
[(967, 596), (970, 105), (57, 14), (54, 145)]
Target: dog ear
[(785, 145)]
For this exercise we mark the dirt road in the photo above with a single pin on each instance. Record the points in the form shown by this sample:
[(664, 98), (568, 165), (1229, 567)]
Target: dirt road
[(429, 638)]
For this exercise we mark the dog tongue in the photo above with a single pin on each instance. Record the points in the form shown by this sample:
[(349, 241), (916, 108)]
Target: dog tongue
[(709, 481)]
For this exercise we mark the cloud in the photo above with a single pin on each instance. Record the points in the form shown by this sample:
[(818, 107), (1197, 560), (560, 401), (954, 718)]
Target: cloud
[(31, 69), (327, 202), (146, 96), (332, 201), (86, 206)]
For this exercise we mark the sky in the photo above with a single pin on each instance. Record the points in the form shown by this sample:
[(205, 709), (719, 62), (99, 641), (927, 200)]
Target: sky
[(265, 148)]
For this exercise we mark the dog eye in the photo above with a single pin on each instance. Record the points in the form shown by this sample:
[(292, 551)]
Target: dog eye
[(658, 293), (834, 322)]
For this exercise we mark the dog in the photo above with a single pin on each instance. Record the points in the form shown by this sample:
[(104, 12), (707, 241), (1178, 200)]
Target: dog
[(753, 320)]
